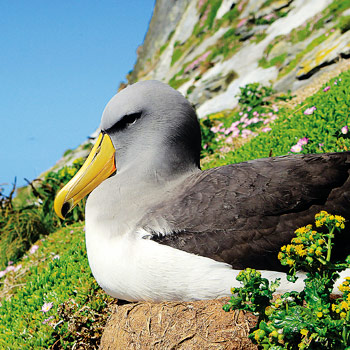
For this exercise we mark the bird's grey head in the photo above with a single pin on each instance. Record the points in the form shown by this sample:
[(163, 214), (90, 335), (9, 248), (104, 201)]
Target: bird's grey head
[(154, 126)]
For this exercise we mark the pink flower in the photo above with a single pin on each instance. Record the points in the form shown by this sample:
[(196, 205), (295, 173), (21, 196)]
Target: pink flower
[(3, 273), (46, 307), (9, 268), (327, 88), (224, 149), (33, 249), (310, 110), (303, 141), (345, 129), (296, 148), (56, 257), (229, 139), (266, 129), (242, 22), (18, 267), (48, 319)]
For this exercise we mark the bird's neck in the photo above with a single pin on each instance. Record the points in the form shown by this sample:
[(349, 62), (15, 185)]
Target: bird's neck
[(127, 196)]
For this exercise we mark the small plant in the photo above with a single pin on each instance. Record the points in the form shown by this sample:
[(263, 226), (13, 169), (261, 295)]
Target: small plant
[(254, 95), (309, 319)]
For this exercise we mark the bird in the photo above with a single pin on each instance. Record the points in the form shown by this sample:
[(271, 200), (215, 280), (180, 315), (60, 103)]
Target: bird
[(158, 228)]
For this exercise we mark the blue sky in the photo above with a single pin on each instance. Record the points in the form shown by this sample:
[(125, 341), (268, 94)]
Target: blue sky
[(60, 63)]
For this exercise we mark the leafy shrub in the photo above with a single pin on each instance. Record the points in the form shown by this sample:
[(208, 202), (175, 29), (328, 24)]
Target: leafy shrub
[(254, 95), (21, 226), (305, 320)]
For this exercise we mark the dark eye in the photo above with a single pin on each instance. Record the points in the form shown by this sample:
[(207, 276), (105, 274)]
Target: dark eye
[(125, 122)]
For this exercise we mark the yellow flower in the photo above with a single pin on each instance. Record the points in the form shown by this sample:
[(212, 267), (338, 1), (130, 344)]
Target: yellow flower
[(344, 305), (280, 256), (290, 262), (342, 314), (333, 307), (318, 252), (304, 331), (321, 241), (319, 314)]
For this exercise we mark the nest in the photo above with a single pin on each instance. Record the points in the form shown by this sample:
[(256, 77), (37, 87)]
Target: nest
[(178, 325)]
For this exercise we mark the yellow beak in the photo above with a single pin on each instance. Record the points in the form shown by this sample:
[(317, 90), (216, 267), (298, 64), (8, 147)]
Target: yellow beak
[(99, 165)]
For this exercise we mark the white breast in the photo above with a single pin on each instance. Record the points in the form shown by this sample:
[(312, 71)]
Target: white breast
[(136, 269)]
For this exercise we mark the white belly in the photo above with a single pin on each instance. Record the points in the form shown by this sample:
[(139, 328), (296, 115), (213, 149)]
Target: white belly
[(137, 269)]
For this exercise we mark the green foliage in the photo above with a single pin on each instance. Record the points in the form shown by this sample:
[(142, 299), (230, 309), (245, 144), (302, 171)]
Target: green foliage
[(176, 55), (58, 273), (276, 61), (68, 151), (208, 137), (215, 5), (231, 15), (254, 95), (48, 190), (344, 23), (22, 225), (305, 320)]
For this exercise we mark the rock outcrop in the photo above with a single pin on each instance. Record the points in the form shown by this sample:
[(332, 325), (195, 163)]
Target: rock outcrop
[(210, 48)]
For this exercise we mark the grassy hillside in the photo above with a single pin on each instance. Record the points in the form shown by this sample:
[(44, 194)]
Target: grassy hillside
[(49, 297)]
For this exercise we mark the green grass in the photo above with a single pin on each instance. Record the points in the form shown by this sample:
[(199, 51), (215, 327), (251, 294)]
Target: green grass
[(66, 282)]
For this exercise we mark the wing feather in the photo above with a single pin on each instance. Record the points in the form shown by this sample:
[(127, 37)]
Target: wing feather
[(243, 213)]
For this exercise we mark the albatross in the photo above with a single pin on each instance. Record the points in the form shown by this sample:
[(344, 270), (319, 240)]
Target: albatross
[(159, 228)]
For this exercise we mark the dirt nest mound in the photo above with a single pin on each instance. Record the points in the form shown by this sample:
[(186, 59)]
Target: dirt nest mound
[(177, 325)]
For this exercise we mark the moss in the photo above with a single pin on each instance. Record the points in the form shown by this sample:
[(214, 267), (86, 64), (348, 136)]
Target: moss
[(231, 15), (259, 37), (190, 89), (176, 55), (215, 5), (175, 84), (344, 24), (276, 61), (68, 151)]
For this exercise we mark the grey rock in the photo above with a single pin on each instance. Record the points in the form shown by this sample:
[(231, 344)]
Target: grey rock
[(334, 47)]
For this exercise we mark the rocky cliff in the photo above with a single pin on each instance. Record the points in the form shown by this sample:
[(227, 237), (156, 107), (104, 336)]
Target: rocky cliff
[(207, 49)]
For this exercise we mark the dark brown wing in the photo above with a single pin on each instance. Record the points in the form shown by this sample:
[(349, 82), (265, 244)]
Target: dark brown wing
[(243, 213)]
